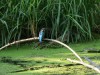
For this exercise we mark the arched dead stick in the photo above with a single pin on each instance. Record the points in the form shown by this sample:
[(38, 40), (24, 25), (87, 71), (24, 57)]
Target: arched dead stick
[(35, 38), (87, 65), (66, 47)]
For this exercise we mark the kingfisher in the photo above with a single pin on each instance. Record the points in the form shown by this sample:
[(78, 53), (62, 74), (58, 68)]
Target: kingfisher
[(41, 34)]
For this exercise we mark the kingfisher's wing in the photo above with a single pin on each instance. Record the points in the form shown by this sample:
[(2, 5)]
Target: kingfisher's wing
[(41, 36)]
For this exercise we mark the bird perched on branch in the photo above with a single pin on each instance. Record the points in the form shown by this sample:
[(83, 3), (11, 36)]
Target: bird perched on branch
[(41, 37), (41, 34)]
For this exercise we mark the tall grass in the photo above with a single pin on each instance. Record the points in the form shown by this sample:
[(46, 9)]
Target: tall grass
[(71, 20)]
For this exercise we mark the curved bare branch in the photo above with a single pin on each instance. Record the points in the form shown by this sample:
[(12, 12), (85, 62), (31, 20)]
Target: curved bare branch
[(35, 38), (85, 64)]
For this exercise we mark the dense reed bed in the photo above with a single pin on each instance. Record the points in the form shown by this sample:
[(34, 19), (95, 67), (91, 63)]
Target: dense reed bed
[(71, 20)]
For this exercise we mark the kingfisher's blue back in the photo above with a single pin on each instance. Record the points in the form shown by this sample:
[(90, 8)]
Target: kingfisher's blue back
[(41, 36)]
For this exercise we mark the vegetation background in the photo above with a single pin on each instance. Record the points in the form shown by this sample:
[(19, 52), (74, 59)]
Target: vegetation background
[(71, 20)]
